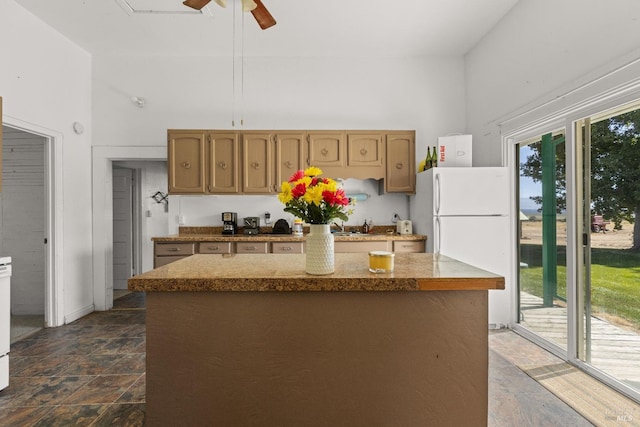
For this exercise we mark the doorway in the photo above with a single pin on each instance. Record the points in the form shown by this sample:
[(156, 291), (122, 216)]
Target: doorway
[(151, 163), (25, 235)]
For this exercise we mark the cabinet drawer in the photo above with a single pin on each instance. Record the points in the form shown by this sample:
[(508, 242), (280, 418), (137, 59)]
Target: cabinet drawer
[(350, 247), (287, 247), (252, 247), (174, 249), (214, 248), (159, 261), (401, 246)]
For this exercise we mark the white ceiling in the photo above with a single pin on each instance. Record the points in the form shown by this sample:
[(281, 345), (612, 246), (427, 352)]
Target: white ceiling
[(304, 27)]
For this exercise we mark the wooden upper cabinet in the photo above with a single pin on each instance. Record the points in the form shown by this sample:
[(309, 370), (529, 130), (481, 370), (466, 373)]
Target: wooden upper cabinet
[(326, 149), (223, 166), (365, 149), (400, 165), (186, 162), (257, 163), (290, 155)]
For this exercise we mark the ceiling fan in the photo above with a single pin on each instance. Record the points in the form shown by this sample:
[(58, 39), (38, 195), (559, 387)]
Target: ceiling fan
[(259, 12)]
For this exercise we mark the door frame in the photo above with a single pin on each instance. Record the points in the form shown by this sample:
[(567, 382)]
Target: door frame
[(102, 190), (54, 283)]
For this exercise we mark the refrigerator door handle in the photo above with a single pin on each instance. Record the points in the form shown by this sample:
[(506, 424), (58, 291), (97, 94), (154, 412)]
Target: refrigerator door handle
[(437, 193), (438, 236)]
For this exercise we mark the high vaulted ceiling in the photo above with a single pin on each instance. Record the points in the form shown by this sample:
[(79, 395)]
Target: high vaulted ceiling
[(304, 27)]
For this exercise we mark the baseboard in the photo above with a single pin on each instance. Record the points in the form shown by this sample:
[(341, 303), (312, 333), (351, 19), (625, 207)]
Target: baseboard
[(79, 313)]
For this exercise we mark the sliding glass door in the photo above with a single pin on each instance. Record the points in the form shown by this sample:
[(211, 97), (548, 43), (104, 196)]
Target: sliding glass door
[(609, 277), (542, 242)]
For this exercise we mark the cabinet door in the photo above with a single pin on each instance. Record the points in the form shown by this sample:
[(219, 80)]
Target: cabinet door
[(289, 155), (257, 161), (186, 162), (401, 169), (326, 149), (365, 149), (223, 163)]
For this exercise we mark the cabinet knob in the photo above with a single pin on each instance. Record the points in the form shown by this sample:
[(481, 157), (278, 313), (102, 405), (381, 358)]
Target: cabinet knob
[(255, 165), (186, 165), (324, 151), (288, 164), (222, 165), (363, 151), (399, 165)]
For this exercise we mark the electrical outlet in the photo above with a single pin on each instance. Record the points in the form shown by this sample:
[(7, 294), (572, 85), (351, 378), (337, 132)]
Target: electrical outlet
[(395, 218), (267, 218)]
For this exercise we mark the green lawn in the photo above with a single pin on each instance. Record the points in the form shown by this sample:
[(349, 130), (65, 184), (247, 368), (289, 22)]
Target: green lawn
[(615, 279)]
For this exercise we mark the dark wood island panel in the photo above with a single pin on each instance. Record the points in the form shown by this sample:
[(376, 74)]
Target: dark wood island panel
[(317, 355)]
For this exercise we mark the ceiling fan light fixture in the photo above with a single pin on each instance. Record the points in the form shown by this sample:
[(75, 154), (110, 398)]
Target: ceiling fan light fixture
[(248, 5), (196, 4), (222, 3)]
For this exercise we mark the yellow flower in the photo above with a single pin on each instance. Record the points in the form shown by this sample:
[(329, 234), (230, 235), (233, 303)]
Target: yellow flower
[(285, 195), (314, 195), (313, 171)]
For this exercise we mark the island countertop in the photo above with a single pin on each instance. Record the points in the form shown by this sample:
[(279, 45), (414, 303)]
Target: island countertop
[(274, 272), (268, 237)]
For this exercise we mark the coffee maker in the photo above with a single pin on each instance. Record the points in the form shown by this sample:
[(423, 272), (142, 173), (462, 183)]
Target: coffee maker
[(229, 223)]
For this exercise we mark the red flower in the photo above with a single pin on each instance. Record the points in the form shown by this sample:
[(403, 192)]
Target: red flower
[(299, 190), (296, 176)]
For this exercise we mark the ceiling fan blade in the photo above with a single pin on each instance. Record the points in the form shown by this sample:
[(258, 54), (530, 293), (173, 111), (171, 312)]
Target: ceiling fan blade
[(262, 15), (248, 5), (196, 4)]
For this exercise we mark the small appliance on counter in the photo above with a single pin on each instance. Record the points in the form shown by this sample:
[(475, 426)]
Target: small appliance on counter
[(281, 227), (229, 223), (404, 226), (252, 225)]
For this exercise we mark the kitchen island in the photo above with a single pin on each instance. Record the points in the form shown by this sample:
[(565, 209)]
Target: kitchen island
[(252, 340)]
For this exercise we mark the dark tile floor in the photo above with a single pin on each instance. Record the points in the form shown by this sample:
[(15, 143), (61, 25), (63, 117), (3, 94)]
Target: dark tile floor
[(89, 372), (92, 373)]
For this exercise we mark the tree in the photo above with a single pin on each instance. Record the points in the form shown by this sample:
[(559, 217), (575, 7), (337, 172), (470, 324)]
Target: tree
[(615, 170)]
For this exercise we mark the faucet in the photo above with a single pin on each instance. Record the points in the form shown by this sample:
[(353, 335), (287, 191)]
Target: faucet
[(340, 226)]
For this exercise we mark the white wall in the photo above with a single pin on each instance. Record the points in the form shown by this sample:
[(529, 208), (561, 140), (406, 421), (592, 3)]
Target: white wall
[(45, 80), (425, 94), (539, 53)]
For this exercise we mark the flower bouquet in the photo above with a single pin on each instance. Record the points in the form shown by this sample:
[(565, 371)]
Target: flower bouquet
[(313, 199)]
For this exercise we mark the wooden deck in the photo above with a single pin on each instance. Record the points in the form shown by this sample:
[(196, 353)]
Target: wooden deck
[(614, 350)]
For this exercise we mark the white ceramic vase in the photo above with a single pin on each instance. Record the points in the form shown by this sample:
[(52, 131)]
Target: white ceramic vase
[(319, 250)]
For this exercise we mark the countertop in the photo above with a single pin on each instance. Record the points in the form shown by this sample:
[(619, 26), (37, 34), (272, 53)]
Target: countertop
[(214, 234), (275, 272), (266, 237)]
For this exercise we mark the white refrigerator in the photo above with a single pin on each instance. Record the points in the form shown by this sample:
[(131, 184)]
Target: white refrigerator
[(465, 214)]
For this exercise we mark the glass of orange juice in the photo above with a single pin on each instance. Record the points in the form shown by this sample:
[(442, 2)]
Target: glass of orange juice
[(381, 261)]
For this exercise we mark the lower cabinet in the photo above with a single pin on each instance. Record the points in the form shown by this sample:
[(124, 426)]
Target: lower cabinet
[(345, 247), (252, 247), (287, 247), (408, 246), (168, 252), (165, 253), (214, 248)]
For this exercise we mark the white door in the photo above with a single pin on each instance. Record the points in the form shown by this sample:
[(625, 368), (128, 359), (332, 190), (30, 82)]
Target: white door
[(122, 227)]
